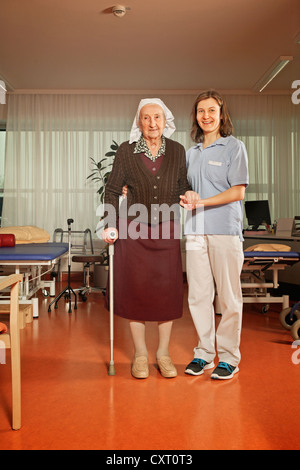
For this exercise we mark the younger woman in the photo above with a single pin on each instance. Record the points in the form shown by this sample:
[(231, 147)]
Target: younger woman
[(218, 171)]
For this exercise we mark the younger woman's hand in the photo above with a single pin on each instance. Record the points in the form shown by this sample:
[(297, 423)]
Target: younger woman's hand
[(191, 200)]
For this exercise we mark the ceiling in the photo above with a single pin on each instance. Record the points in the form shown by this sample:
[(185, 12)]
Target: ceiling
[(157, 45)]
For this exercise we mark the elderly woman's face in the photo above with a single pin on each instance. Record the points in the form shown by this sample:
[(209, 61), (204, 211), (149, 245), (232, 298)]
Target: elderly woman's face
[(152, 121)]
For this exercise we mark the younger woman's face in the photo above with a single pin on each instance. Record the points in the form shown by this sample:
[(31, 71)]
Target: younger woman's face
[(209, 115)]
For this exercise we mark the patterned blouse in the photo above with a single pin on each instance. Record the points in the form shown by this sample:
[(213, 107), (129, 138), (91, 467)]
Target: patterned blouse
[(142, 147)]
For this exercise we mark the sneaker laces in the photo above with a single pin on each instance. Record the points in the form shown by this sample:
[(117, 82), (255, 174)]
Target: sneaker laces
[(202, 362), (225, 365)]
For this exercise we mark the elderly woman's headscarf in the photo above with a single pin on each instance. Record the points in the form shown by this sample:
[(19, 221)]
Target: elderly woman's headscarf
[(135, 133)]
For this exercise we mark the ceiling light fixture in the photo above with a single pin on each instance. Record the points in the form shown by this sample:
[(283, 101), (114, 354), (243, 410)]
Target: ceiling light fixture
[(272, 72)]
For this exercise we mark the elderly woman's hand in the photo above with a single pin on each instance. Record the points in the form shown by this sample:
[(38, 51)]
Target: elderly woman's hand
[(191, 200), (110, 235)]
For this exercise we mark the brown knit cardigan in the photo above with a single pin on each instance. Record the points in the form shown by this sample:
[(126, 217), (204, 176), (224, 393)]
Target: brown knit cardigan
[(152, 191)]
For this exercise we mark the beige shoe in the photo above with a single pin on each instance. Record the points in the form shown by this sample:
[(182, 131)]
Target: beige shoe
[(140, 369), (166, 367)]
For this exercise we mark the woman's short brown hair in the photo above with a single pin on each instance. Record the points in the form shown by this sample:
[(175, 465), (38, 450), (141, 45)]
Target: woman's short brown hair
[(226, 126)]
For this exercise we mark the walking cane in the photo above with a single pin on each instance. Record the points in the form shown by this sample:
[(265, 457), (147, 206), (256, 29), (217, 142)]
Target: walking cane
[(111, 250)]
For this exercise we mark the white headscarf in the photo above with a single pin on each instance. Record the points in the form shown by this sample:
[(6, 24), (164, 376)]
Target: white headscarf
[(135, 132)]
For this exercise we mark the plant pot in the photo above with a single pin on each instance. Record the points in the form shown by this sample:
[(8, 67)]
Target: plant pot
[(100, 276)]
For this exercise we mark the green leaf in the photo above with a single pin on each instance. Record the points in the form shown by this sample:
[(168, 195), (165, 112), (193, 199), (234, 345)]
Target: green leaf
[(90, 176), (104, 165)]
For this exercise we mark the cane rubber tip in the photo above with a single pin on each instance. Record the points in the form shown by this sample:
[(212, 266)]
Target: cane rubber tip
[(111, 370)]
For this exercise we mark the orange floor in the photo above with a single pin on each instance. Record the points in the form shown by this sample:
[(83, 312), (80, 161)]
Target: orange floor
[(70, 402)]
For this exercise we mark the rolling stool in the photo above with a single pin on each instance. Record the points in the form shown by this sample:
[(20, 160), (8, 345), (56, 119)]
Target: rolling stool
[(88, 260)]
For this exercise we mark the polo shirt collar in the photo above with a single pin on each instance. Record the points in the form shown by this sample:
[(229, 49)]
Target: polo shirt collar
[(219, 141)]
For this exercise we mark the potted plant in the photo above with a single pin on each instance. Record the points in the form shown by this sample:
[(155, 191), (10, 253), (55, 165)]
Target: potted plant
[(101, 170), (100, 173)]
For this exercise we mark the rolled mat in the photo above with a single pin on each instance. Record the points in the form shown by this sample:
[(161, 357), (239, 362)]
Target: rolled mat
[(7, 239), (3, 328)]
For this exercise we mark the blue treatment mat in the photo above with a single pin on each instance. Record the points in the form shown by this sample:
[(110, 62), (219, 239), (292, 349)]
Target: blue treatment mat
[(272, 254), (33, 252)]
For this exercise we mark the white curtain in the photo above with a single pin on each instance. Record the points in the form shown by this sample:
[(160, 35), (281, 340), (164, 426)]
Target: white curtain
[(270, 128), (51, 138)]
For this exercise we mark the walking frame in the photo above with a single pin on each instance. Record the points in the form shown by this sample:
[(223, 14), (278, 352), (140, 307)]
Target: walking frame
[(68, 290)]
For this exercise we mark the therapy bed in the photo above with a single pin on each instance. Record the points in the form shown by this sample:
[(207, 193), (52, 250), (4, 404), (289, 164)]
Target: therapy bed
[(256, 265), (33, 260)]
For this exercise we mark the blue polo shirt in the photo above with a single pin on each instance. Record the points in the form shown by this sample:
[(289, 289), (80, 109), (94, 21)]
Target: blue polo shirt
[(210, 171)]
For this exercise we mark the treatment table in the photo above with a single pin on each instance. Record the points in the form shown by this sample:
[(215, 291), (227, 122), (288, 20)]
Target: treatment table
[(254, 285), (33, 260)]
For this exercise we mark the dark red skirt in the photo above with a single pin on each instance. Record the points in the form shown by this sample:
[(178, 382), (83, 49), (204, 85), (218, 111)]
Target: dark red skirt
[(148, 278)]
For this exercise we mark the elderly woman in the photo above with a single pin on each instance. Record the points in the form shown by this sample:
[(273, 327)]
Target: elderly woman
[(148, 284)]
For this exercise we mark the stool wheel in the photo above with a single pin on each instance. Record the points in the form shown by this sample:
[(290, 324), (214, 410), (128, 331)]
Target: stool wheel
[(295, 330), (286, 319)]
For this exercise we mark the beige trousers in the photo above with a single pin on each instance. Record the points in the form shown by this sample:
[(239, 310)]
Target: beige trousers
[(214, 264)]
